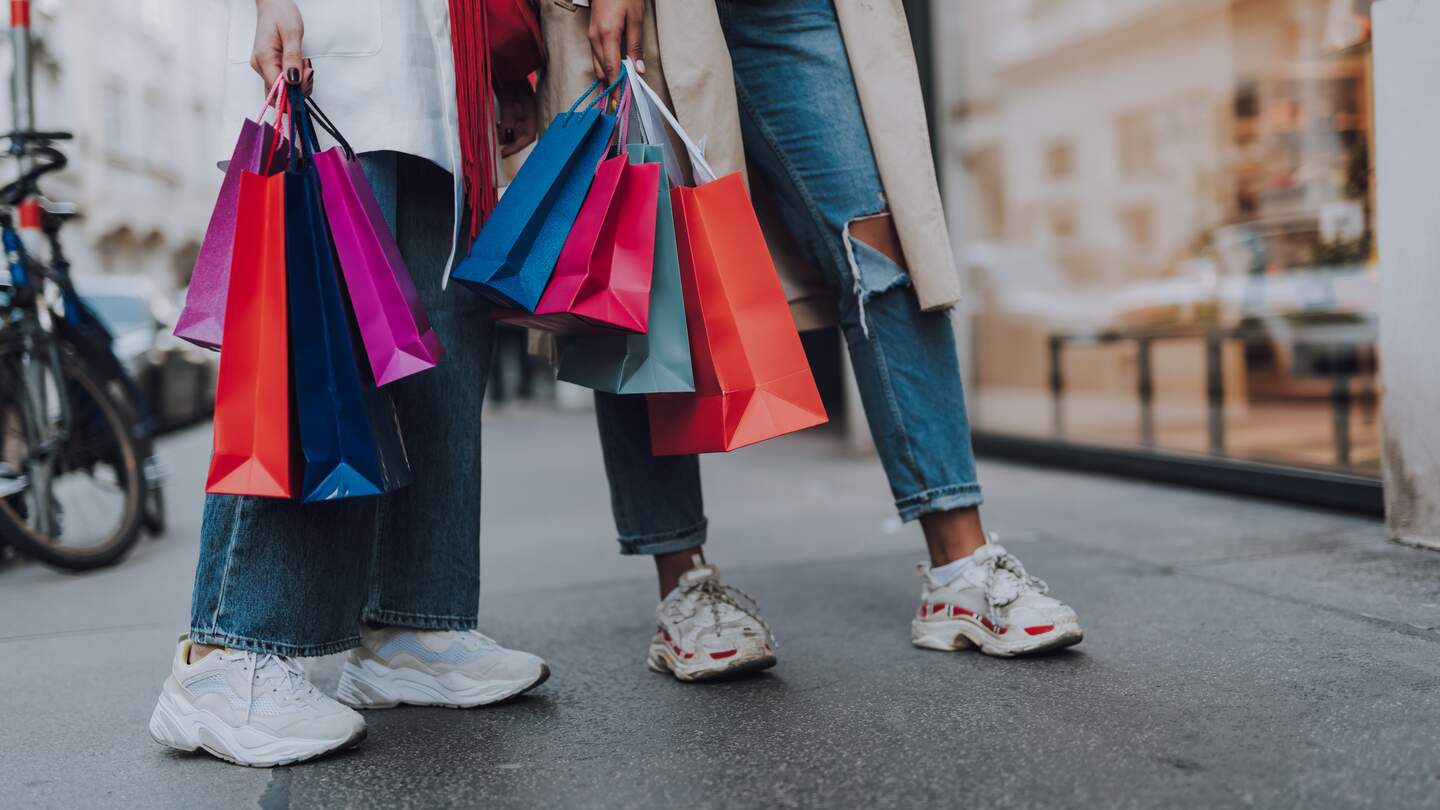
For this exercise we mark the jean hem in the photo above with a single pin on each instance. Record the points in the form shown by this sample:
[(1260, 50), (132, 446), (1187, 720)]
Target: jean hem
[(421, 621), (666, 542), (939, 499), (219, 638)]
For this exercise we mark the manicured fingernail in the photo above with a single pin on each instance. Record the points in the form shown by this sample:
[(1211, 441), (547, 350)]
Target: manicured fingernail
[(640, 65), (293, 74)]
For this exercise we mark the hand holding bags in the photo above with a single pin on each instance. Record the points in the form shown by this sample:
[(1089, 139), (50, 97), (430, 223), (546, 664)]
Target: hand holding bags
[(602, 277), (393, 326), (202, 321), (752, 380), (514, 255)]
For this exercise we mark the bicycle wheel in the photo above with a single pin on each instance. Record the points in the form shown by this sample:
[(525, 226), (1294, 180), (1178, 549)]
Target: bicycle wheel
[(91, 472), (94, 352)]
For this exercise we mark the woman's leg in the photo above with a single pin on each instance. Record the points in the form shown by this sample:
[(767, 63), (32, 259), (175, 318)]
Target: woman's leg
[(426, 569), (805, 136), (656, 500), (296, 579)]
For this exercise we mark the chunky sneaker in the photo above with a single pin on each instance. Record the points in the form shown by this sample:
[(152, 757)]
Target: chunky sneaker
[(454, 668), (993, 605), (250, 709), (706, 630)]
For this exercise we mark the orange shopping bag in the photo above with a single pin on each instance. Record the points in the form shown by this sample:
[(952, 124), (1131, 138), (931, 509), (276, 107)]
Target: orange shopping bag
[(252, 394), (752, 380)]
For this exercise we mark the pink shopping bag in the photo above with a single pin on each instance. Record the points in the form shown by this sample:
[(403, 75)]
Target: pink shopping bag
[(398, 338), (602, 280), (202, 320)]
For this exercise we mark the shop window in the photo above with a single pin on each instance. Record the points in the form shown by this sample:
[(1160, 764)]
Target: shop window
[(1211, 289)]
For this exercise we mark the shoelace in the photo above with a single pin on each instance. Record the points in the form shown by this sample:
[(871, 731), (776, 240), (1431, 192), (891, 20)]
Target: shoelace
[(276, 669), (712, 594), (1006, 581)]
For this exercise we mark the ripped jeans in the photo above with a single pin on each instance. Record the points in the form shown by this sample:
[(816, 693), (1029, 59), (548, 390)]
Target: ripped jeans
[(804, 132)]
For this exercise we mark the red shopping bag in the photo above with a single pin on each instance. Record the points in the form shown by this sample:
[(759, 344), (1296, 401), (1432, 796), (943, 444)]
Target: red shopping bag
[(252, 396), (601, 282), (752, 380)]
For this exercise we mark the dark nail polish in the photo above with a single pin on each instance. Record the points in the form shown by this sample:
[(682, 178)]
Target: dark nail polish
[(293, 75)]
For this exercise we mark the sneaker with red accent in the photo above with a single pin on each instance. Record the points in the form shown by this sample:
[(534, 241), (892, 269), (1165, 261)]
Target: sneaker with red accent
[(708, 630), (993, 605)]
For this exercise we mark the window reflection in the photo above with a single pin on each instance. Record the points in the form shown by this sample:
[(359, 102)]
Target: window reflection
[(1168, 218)]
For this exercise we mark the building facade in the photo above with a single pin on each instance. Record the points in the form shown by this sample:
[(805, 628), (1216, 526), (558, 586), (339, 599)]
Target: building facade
[(138, 82)]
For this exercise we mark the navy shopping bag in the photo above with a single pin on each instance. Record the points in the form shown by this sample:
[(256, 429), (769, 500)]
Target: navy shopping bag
[(347, 429), (515, 253)]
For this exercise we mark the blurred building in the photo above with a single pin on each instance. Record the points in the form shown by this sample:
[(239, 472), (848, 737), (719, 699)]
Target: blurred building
[(1166, 212), (139, 84)]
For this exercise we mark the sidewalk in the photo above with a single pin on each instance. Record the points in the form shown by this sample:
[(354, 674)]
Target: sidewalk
[(1238, 653)]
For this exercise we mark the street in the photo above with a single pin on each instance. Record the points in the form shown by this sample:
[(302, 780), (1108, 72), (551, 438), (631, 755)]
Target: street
[(1238, 653)]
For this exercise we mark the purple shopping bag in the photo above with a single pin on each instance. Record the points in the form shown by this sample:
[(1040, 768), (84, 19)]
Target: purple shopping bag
[(398, 338), (202, 321)]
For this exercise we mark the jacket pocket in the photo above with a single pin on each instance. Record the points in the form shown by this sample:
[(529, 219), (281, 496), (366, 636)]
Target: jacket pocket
[(333, 28)]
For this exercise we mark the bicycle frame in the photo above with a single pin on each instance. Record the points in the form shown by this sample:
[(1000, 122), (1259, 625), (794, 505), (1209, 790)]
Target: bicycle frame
[(41, 357)]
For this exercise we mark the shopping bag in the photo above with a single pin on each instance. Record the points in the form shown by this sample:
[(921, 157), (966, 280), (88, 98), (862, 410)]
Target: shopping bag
[(394, 329), (752, 380), (202, 320), (252, 438), (659, 360), (514, 255), (348, 433), (602, 278)]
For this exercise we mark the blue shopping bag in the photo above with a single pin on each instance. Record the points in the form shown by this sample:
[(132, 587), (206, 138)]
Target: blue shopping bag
[(347, 429), (515, 253)]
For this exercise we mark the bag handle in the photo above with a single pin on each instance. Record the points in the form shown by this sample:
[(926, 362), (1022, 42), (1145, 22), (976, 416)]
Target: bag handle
[(283, 123), (703, 172), (601, 99), (593, 85), (622, 110), (604, 94), (273, 100), (318, 116), (301, 130)]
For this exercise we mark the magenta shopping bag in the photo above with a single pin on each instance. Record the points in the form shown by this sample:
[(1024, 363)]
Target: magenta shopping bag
[(398, 338), (202, 321)]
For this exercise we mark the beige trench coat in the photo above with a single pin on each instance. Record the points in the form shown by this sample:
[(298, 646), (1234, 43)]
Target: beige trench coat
[(687, 62)]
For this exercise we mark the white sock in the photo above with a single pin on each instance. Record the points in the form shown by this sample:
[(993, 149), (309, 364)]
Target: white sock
[(951, 571)]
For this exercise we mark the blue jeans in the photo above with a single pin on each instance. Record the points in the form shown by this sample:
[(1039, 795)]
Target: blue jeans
[(299, 579), (805, 134)]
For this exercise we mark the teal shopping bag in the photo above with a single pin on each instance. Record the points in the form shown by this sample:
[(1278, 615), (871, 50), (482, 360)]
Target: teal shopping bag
[(514, 255), (656, 362)]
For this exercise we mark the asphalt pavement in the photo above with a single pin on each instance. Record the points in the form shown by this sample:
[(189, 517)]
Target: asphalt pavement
[(1239, 653)]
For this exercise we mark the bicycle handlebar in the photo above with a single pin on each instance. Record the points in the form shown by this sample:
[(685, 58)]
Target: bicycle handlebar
[(24, 136), (24, 186)]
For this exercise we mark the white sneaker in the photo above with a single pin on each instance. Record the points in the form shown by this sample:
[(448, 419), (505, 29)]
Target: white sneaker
[(454, 668), (993, 605), (705, 630), (249, 709)]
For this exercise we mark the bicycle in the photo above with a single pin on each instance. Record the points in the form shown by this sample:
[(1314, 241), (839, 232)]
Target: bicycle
[(74, 444)]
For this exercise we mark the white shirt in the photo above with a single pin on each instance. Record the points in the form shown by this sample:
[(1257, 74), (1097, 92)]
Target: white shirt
[(384, 73)]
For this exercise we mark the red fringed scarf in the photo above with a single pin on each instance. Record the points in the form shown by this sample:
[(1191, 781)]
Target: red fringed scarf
[(470, 38)]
